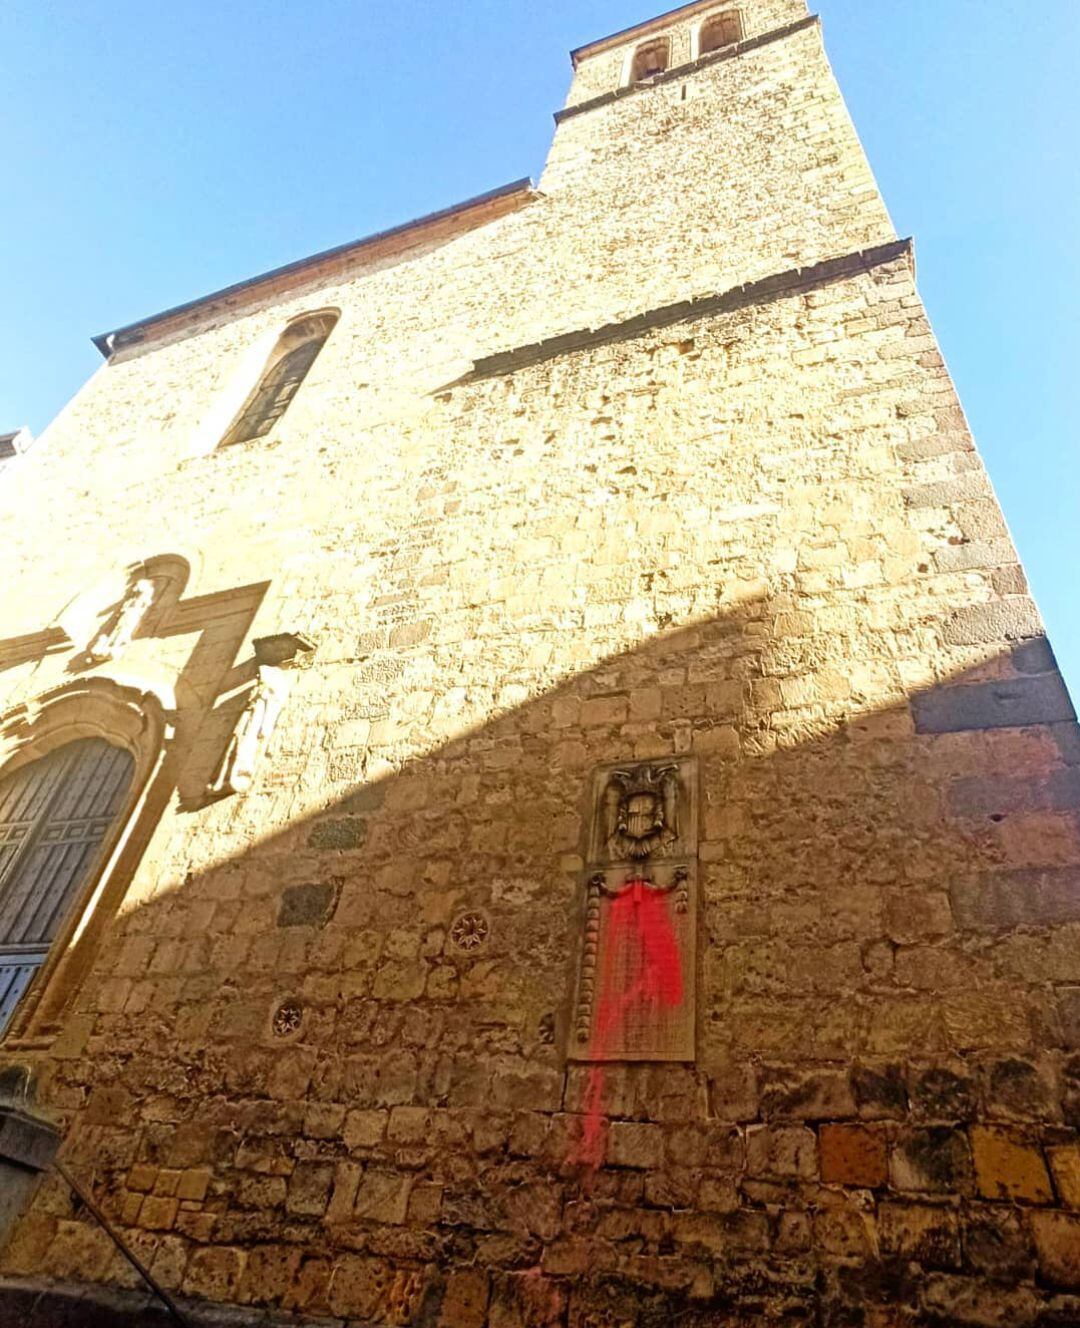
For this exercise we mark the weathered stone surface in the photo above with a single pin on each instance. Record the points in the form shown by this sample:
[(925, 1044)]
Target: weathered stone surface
[(1015, 703), (936, 1160), (929, 1236), (1007, 1166), (853, 1155), (1057, 1245), (581, 480)]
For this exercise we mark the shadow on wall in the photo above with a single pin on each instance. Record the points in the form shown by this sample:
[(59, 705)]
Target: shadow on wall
[(289, 1086)]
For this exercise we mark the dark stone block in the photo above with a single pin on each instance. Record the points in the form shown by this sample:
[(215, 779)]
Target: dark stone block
[(1000, 795), (1067, 738), (1015, 703), (936, 1160), (308, 905), (880, 1092), (941, 1093), (1016, 1090), (1034, 656), (349, 832), (1005, 900), (996, 1244)]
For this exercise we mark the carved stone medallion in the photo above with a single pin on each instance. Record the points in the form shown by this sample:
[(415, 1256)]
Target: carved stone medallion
[(287, 1018)]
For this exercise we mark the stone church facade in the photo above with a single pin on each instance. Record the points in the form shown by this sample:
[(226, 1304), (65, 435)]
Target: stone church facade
[(532, 789)]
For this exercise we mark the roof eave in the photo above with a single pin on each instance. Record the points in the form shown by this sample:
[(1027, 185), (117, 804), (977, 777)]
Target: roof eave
[(108, 342)]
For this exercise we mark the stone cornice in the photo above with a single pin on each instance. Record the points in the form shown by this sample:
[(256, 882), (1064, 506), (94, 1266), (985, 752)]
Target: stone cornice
[(755, 292)]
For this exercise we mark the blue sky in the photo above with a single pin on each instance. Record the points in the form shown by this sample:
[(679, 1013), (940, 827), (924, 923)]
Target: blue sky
[(153, 153)]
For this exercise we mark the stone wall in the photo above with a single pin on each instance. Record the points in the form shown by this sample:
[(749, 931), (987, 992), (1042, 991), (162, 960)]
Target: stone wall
[(602, 70), (750, 531)]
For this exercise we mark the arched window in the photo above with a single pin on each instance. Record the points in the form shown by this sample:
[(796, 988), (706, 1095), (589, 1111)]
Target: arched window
[(720, 30), (54, 815), (292, 357), (650, 59)]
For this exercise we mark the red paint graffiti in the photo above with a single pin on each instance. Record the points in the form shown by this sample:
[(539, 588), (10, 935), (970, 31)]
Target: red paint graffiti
[(641, 973)]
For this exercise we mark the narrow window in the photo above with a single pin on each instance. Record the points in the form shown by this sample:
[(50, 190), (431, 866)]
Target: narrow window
[(650, 59), (720, 30), (54, 816), (288, 366)]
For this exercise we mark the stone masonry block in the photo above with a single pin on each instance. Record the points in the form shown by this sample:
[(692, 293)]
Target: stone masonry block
[(1008, 1166), (920, 1233), (631, 1144), (1069, 1016), (806, 1095), (781, 1151), (1065, 1164), (307, 905), (854, 1155), (935, 1161), (1057, 1245), (1012, 619), (1003, 900), (1015, 703)]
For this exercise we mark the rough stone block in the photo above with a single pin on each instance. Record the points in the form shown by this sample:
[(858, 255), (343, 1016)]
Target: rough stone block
[(943, 1093), (1065, 1164), (1009, 1167), (781, 1151), (936, 1160), (1057, 1246), (348, 832), (1018, 1090), (921, 1234), (806, 1095), (631, 1144), (307, 905), (383, 1196), (1069, 1015), (309, 1189), (880, 1091), (465, 1300), (1012, 703), (996, 1243), (1025, 897)]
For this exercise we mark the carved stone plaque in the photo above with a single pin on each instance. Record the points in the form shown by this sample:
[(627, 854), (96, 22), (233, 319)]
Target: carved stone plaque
[(636, 996)]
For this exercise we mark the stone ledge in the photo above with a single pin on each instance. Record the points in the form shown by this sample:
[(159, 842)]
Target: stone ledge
[(691, 67), (755, 292), (26, 1141)]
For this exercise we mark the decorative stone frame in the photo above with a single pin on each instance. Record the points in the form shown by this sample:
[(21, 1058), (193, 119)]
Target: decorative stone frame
[(636, 53), (302, 327), (731, 15), (139, 720)]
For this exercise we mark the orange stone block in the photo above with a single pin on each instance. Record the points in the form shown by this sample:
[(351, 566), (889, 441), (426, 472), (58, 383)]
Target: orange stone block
[(853, 1155), (1008, 1167)]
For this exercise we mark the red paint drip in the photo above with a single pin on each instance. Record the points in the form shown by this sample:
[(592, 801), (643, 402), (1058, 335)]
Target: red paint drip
[(641, 971)]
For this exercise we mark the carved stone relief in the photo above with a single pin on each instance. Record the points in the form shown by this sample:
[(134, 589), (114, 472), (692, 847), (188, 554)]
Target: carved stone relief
[(118, 632), (276, 656), (637, 980)]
